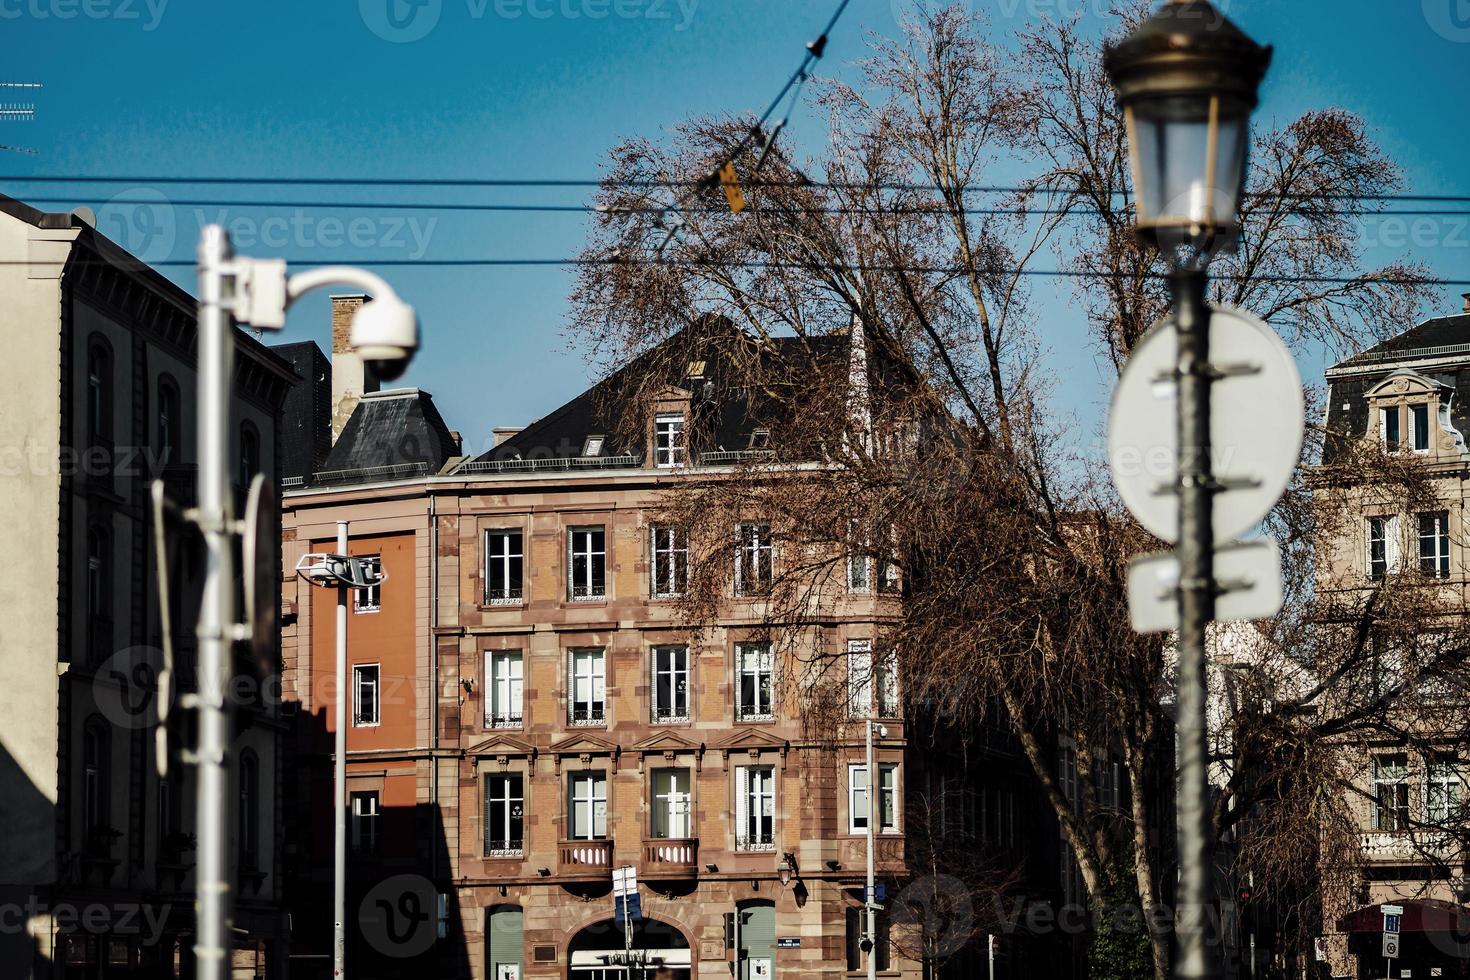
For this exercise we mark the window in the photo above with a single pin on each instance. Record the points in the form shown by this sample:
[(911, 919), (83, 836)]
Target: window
[(1434, 544), (860, 678), (1383, 546), (365, 695), (168, 420), (249, 454), (504, 566), (670, 688), (94, 777), (588, 565), (857, 798), (587, 793), (887, 576), (1388, 427), (885, 677), (248, 821), (1390, 793), (1419, 427), (99, 393), (505, 812), (593, 446), (755, 808), (504, 687), (97, 560), (363, 834), (1388, 664), (669, 569), (1442, 793), (370, 599), (858, 577), (753, 559), (671, 803), (587, 685), (167, 819), (668, 440), (755, 687), (760, 439), (857, 929)]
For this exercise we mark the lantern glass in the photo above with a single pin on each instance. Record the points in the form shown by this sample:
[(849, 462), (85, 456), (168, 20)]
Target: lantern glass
[(1189, 156)]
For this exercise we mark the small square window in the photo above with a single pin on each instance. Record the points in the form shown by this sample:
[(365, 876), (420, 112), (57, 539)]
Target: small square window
[(366, 694), (668, 440), (370, 599), (593, 446), (760, 439)]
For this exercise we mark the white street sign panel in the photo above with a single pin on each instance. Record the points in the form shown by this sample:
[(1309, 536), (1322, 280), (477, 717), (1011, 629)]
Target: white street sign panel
[(1256, 422), (1390, 945), (625, 881), (1247, 572)]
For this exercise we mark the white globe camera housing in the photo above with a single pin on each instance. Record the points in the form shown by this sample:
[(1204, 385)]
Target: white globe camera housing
[(385, 334)]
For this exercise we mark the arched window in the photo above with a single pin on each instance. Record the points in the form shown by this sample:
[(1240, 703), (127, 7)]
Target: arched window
[(168, 420), (99, 392), (248, 823), (95, 778), (249, 454), (98, 604)]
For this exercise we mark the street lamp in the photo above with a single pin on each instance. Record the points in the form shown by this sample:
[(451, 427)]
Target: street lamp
[(234, 289), (1187, 82)]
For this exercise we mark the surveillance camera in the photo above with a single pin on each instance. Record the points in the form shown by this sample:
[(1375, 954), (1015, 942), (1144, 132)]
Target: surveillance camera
[(385, 334)]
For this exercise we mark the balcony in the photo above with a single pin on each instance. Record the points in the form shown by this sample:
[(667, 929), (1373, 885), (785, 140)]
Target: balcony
[(587, 860), (670, 857)]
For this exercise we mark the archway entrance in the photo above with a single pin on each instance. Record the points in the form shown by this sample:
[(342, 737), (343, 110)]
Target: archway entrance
[(657, 951)]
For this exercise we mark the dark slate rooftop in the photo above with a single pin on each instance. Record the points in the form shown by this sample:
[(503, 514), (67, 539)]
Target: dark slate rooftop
[(393, 434)]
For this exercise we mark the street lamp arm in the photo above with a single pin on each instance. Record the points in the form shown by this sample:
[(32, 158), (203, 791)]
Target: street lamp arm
[(370, 283)]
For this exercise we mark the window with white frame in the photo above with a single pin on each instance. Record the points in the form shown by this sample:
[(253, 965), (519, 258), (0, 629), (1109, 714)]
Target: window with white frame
[(366, 692), (668, 439), (586, 687), (755, 686), (885, 683), (1419, 427), (370, 599), (587, 799), (753, 559), (669, 569), (504, 688), (857, 798), (1391, 793), (1442, 793), (1434, 544), (1388, 428), (364, 830), (587, 564), (504, 566), (755, 808), (1383, 546), (860, 678), (669, 691), (505, 808), (671, 803), (859, 573)]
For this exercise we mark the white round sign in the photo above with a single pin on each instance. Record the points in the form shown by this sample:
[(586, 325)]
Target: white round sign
[(1256, 424)]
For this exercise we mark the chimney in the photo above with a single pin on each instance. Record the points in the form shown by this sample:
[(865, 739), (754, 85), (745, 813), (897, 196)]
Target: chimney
[(1466, 298), (458, 441), (502, 433), (349, 379)]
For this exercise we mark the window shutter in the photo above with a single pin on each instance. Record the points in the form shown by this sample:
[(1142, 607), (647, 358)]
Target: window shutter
[(742, 803), (485, 810), (739, 682), (1391, 543)]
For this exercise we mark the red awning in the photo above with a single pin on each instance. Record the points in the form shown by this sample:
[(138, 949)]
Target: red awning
[(1420, 915)]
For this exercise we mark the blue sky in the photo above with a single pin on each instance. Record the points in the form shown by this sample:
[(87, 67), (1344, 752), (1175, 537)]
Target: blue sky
[(542, 88)]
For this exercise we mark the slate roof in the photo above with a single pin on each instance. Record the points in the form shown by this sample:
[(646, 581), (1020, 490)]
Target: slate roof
[(599, 410), (306, 421), (1349, 380), (392, 434)]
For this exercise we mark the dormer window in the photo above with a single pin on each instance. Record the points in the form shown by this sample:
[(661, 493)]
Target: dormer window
[(760, 439), (593, 446), (1419, 427), (1388, 427), (668, 440)]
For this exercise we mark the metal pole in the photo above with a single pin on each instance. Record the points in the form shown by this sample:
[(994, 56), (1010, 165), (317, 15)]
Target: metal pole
[(990, 954), (217, 606), (1196, 608), (339, 781), (872, 819)]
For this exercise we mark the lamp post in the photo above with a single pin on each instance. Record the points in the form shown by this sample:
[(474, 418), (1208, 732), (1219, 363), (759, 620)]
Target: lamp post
[(234, 290), (1187, 81)]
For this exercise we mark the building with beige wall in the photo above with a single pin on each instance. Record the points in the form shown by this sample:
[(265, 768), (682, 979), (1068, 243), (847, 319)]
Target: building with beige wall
[(98, 388)]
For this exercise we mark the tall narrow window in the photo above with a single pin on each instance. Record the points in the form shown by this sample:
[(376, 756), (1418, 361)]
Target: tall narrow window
[(587, 794), (504, 815), (671, 803), (1388, 427), (365, 695), (858, 573), (249, 454), (1383, 546), (755, 687), (857, 798), (504, 684), (670, 566), (1419, 423), (668, 440), (1391, 793), (99, 394), (364, 830), (1434, 544), (755, 808), (97, 561), (586, 684), (885, 683), (588, 565), (860, 678), (168, 420), (370, 599), (94, 778), (504, 566), (248, 820), (1442, 793), (753, 559), (670, 684)]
